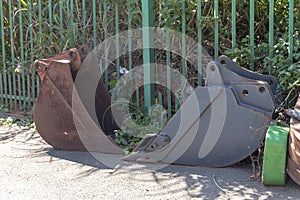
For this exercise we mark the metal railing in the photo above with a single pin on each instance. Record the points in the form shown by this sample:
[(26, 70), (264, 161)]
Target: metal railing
[(36, 29)]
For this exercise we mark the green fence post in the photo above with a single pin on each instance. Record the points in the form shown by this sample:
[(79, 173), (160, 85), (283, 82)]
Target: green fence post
[(271, 27), (105, 44), (23, 93), (40, 34), (169, 92), (129, 10), (40, 21), (3, 54), (94, 23), (72, 24), (11, 31), (10, 96), (148, 51), (252, 35), (216, 22), (271, 30), (50, 16), (130, 61), (291, 30), (61, 24), (1, 89), (84, 20), (233, 24), (199, 28), (169, 78), (117, 40), (33, 76), (183, 31)]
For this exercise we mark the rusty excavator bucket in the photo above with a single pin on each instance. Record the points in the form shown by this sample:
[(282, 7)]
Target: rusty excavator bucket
[(218, 125), (53, 114), (293, 160)]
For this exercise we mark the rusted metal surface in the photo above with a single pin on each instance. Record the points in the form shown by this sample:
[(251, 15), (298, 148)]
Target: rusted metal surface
[(295, 133), (72, 57), (293, 165), (293, 170), (53, 109), (294, 152)]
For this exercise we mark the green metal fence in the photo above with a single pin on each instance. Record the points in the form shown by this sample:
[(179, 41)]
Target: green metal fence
[(37, 29)]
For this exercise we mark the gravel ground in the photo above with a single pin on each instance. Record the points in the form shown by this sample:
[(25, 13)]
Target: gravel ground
[(31, 169)]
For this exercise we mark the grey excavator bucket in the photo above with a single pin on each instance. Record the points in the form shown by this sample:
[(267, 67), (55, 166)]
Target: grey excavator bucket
[(219, 124)]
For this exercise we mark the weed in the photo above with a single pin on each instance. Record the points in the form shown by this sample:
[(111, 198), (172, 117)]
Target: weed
[(8, 121)]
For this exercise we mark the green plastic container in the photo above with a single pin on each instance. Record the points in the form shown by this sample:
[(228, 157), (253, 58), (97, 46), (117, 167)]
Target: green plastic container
[(274, 163)]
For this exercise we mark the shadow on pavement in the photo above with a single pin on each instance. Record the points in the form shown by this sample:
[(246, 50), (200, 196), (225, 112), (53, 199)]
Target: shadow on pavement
[(200, 182)]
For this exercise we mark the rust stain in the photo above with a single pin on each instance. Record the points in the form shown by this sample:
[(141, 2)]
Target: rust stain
[(53, 109), (293, 164)]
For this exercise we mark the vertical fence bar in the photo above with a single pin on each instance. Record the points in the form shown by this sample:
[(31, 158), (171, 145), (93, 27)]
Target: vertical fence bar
[(291, 30), (117, 39), (68, 12), (129, 9), (40, 20), (12, 54), (29, 99), (3, 53), (33, 77), (94, 24), (169, 78), (15, 90), (148, 51), (71, 22), (40, 34), (69, 25), (176, 104), (137, 96), (50, 16), (84, 19), (199, 33), (160, 98), (233, 24), (105, 44), (61, 22), (10, 92), (19, 91), (22, 53), (271, 30), (216, 22), (252, 35), (183, 30), (169, 94), (1, 88)]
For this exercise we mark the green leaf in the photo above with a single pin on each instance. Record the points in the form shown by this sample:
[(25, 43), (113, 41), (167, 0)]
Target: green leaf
[(112, 83)]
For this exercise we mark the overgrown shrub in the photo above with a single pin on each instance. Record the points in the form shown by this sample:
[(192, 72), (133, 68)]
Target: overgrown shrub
[(280, 65)]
